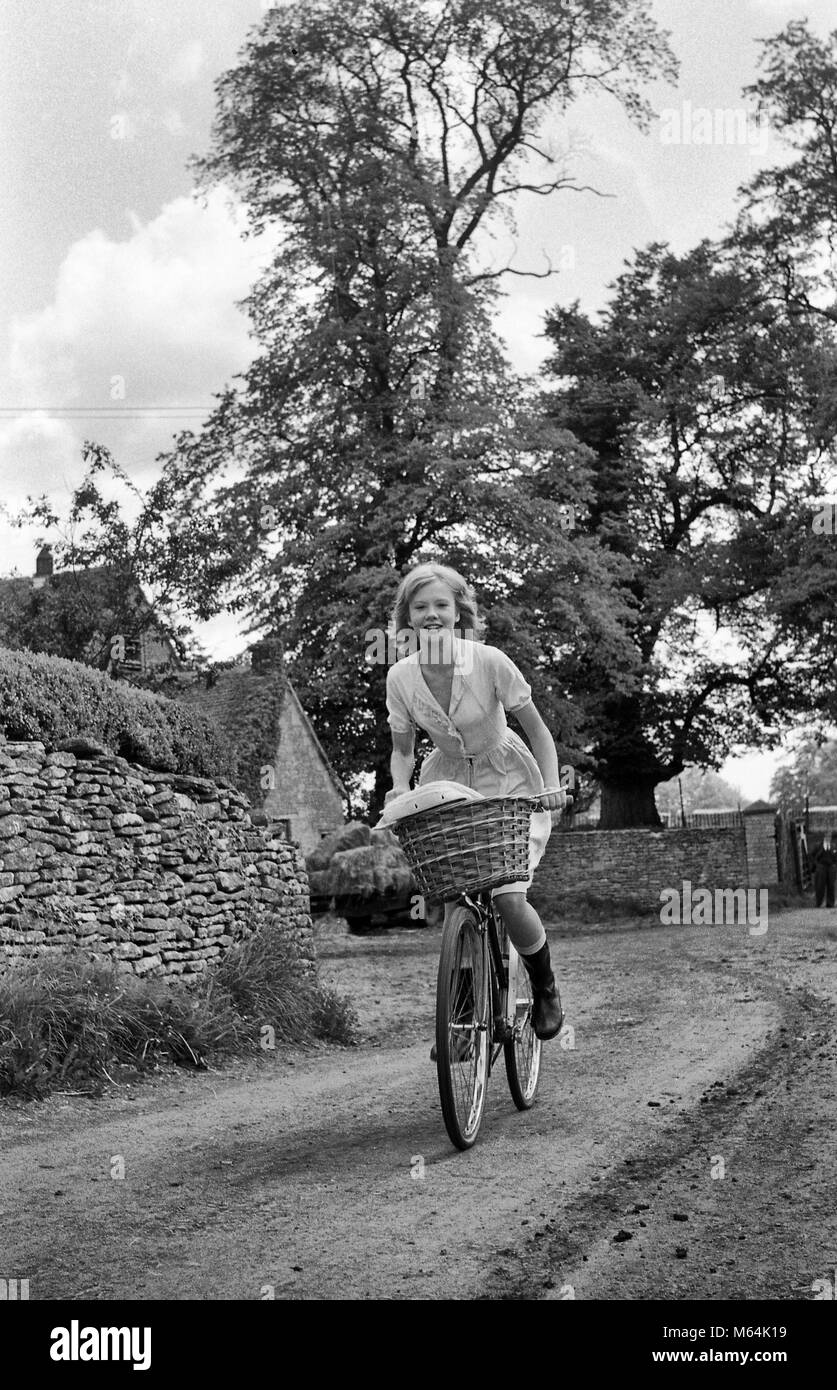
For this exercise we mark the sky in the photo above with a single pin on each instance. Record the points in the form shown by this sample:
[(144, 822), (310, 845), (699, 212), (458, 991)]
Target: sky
[(119, 290)]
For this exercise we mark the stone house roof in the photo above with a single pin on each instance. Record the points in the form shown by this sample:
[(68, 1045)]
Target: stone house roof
[(248, 703)]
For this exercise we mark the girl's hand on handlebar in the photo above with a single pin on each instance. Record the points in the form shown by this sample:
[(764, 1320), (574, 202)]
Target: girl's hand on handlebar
[(554, 798)]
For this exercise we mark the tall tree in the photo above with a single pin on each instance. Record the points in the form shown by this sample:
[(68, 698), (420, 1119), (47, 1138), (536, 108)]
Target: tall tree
[(808, 776), (788, 215), (381, 423), (697, 393), (787, 222), (698, 789)]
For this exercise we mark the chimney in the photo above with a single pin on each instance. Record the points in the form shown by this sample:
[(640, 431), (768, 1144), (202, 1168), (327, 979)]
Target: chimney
[(267, 655), (43, 563)]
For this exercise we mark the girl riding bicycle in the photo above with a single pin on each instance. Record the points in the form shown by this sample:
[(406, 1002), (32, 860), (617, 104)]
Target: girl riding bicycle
[(459, 691)]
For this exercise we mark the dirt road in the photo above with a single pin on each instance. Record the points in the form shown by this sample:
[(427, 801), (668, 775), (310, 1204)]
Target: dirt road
[(685, 1147)]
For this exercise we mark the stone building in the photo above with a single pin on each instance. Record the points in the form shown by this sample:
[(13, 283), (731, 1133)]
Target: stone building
[(280, 764), (129, 641)]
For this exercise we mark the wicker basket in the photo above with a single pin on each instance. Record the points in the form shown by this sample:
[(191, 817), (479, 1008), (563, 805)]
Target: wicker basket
[(465, 847)]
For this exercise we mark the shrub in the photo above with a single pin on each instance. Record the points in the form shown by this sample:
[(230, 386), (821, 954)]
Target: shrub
[(51, 699), (267, 981), (334, 1019), (264, 980)]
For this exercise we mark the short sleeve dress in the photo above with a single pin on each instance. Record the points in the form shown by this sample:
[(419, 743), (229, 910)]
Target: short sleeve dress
[(474, 744)]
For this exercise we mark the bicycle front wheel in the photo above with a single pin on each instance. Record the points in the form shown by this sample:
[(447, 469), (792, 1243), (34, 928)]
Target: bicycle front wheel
[(463, 1009), (523, 1049)]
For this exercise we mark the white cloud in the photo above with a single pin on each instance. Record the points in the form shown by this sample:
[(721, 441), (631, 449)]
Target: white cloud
[(37, 454), (172, 121), (157, 309), (121, 85), (187, 64), (752, 772), (819, 12)]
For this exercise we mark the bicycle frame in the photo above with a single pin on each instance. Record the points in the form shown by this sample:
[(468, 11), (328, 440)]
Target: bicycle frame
[(503, 1009), (495, 1017)]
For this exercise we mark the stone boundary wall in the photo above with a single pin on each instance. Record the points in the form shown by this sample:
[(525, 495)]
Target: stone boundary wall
[(637, 864), (157, 870)]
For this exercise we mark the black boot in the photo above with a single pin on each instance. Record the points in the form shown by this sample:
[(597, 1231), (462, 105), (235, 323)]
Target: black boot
[(547, 1014)]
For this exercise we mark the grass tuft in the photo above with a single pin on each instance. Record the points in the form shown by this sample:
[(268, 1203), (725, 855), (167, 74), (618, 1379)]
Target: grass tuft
[(67, 1020)]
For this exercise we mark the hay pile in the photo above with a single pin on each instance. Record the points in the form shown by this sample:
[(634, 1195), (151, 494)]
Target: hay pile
[(384, 837), (371, 871), (319, 884), (352, 835), (358, 867)]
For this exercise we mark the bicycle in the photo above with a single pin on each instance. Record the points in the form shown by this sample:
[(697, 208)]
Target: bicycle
[(459, 853)]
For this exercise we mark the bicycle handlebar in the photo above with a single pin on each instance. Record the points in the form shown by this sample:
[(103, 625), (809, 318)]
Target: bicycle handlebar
[(533, 802), (537, 797)]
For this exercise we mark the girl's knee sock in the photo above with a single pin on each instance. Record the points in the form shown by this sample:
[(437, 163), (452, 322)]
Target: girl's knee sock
[(526, 932), (532, 944)]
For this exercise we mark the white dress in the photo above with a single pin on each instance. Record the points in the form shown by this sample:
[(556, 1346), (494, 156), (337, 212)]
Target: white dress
[(474, 744)]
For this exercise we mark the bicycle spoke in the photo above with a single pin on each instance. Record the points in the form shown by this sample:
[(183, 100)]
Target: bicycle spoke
[(523, 1049), (462, 1042)]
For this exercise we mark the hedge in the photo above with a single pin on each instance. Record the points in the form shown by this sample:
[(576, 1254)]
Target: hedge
[(50, 699)]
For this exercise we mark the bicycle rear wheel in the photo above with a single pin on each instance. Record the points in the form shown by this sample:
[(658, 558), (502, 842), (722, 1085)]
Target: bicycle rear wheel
[(523, 1049), (463, 1009)]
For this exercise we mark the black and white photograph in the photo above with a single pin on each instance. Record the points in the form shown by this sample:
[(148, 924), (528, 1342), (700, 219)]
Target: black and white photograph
[(418, 694)]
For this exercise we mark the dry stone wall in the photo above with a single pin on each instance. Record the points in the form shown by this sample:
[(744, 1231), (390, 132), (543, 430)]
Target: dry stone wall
[(160, 871), (635, 865)]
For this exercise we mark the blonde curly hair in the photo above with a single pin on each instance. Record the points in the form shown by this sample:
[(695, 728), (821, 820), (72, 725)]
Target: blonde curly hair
[(470, 625)]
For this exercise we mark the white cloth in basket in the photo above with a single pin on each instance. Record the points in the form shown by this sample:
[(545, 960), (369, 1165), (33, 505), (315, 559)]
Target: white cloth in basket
[(425, 798)]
